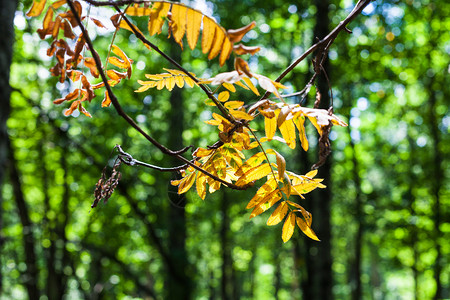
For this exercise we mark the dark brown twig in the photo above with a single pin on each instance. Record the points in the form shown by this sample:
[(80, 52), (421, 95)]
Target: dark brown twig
[(326, 42)]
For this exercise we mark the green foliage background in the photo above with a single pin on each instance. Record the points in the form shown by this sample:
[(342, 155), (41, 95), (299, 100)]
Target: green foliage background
[(390, 80)]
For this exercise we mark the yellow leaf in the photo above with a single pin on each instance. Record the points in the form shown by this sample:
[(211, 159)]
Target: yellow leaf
[(189, 81), (311, 174), (267, 202), (306, 229), (193, 22), (170, 83), (250, 84), (217, 44), (234, 104), (284, 112), (137, 11), (229, 87), (37, 8), (299, 123), (254, 173), (178, 25), (287, 130), (201, 185), (278, 215), (281, 164), (186, 183), (240, 115), (179, 81), (288, 227), (157, 14), (270, 126), (209, 29), (265, 189), (223, 96), (227, 47)]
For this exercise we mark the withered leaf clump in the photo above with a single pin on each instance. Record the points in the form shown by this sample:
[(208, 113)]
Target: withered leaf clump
[(105, 187)]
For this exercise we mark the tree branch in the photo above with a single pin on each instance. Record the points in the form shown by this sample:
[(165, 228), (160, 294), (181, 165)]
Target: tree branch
[(326, 42)]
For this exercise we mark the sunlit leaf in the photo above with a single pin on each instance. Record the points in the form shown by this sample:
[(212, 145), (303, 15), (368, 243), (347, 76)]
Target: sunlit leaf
[(37, 8), (278, 214), (193, 21), (306, 229), (288, 227)]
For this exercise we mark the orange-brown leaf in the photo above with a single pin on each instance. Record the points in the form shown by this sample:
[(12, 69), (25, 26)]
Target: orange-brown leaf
[(37, 8), (89, 62), (107, 101), (241, 49), (235, 35), (241, 66)]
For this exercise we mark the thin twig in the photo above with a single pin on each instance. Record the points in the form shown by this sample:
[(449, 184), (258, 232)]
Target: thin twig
[(328, 40)]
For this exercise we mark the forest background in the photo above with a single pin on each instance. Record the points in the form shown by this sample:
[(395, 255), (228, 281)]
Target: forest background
[(384, 219)]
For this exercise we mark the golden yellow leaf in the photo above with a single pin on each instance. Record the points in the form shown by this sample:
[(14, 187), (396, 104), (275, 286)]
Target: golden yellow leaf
[(311, 174), (250, 84), (254, 173), (284, 112), (217, 43), (270, 126), (278, 214), (265, 203), (156, 20), (37, 8), (137, 11), (223, 96), (209, 29), (193, 23), (287, 130), (186, 183), (178, 25), (306, 229), (265, 189), (234, 104), (201, 185), (227, 47), (229, 87), (299, 122), (240, 115), (288, 227), (179, 81)]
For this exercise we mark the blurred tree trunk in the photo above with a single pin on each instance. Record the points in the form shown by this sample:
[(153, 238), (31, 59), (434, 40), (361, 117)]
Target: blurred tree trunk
[(436, 183), (7, 10), (30, 276), (355, 278), (322, 278), (227, 263), (179, 284)]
